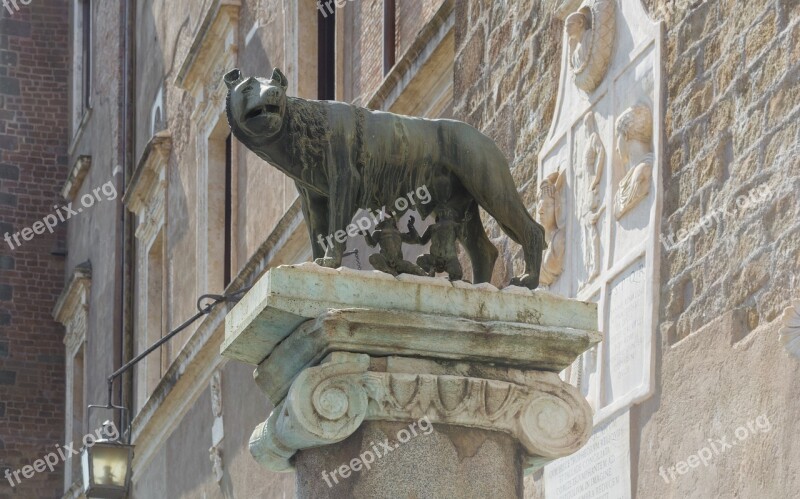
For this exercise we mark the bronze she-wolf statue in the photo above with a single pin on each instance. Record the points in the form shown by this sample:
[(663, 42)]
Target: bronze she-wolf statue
[(343, 157)]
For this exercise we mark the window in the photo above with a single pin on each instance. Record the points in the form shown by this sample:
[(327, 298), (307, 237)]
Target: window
[(72, 310), (81, 60), (228, 210), (86, 46), (78, 412), (326, 50), (220, 207), (389, 35), (154, 363), (150, 317), (146, 199)]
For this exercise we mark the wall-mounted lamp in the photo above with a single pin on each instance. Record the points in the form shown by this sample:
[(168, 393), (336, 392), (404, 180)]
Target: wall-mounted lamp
[(106, 464), (107, 467)]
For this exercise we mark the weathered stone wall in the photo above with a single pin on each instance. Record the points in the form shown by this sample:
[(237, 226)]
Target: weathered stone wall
[(33, 164), (733, 99), (95, 234), (731, 181), (733, 102), (364, 27)]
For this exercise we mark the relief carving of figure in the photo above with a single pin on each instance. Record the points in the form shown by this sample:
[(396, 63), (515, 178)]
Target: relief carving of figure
[(215, 454), (590, 41), (588, 175), (790, 332), (549, 214), (579, 33), (634, 134)]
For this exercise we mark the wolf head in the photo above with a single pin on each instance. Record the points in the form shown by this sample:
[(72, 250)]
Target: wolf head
[(256, 106)]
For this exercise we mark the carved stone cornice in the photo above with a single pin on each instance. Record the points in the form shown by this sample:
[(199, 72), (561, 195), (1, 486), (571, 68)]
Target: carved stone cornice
[(326, 404), (434, 35), (75, 178), (148, 176), (213, 52), (289, 295), (221, 16), (146, 193), (375, 332), (72, 307)]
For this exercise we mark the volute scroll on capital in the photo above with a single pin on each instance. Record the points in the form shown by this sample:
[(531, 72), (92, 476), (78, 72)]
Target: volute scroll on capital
[(328, 403)]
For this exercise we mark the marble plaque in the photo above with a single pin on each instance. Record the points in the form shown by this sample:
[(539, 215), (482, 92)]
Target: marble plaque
[(600, 193), (601, 469), (626, 362)]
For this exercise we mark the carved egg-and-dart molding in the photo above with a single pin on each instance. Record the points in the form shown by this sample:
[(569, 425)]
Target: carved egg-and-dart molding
[(326, 404)]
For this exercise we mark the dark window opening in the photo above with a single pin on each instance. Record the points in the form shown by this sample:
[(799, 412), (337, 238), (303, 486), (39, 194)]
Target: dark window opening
[(86, 46), (389, 35), (326, 50), (228, 211)]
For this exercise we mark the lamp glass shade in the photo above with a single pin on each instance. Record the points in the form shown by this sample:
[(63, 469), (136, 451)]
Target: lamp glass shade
[(106, 469)]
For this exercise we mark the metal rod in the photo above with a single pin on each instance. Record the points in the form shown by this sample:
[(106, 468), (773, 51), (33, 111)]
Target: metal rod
[(217, 299)]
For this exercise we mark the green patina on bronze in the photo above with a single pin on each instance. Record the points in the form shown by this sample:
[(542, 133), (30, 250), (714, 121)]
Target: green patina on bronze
[(343, 157)]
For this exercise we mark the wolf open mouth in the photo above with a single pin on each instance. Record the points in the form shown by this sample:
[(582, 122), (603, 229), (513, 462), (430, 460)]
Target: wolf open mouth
[(262, 111)]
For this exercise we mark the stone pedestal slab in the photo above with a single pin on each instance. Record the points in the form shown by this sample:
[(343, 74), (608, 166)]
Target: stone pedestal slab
[(336, 350), (287, 296)]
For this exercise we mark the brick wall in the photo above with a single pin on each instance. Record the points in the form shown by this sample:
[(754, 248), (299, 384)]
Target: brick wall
[(33, 143), (733, 103), (412, 15), (732, 128), (365, 19), (364, 24)]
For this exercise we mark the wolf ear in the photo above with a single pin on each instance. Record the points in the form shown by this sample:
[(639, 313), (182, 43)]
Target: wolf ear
[(232, 78), (280, 78)]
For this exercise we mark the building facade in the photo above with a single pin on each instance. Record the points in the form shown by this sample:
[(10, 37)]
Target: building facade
[(173, 207)]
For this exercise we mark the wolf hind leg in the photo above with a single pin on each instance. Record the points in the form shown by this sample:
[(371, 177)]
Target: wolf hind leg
[(482, 253)]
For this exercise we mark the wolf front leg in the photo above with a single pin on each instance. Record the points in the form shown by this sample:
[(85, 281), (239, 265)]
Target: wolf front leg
[(315, 213), (341, 208)]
